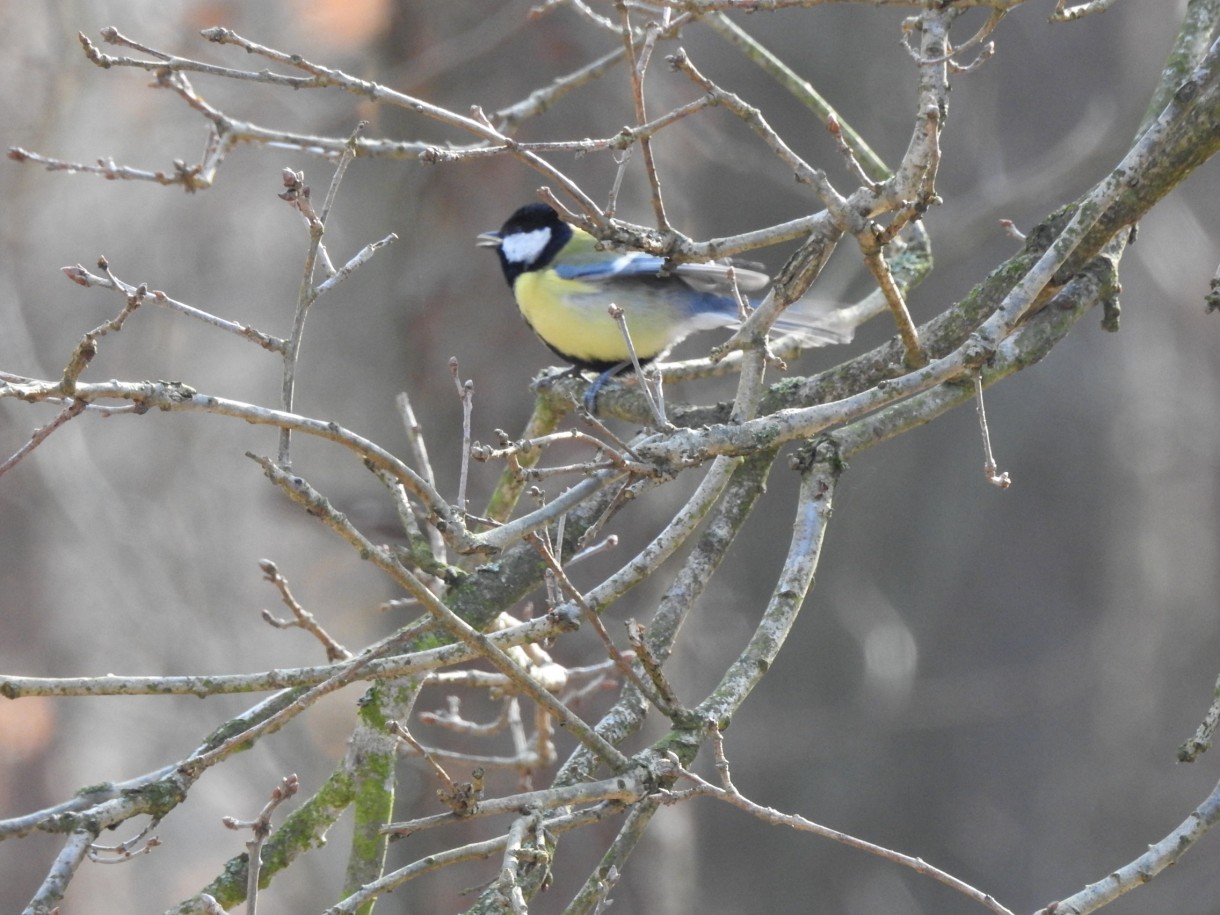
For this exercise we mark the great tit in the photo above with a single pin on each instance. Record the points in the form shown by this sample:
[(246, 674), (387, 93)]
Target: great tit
[(564, 286)]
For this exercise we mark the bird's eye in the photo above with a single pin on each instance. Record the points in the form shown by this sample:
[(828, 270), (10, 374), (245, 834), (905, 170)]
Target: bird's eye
[(525, 247)]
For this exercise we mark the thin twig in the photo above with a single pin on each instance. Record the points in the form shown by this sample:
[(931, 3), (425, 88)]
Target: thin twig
[(140, 844), (624, 789), (508, 449), (419, 451), (83, 277), (299, 490), (415, 437), (663, 697), (730, 795), (874, 259), (297, 193), (451, 718), (654, 398), (451, 788), (261, 829), (1003, 481), (675, 533), (86, 350), (39, 435), (637, 66), (874, 168), (355, 262), (476, 123), (349, 153), (574, 595), (465, 390), (303, 619)]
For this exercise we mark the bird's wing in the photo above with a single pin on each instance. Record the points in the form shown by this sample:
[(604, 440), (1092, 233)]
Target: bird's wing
[(716, 279), (595, 270), (708, 277)]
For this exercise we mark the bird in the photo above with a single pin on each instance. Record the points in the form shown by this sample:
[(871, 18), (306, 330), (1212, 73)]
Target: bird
[(564, 286)]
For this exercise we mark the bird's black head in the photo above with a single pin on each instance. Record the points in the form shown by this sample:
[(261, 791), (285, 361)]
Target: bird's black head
[(529, 240)]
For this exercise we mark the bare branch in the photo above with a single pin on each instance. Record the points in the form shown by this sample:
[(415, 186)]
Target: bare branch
[(768, 815), (261, 829), (83, 277), (303, 619), (1065, 13), (1137, 873), (1002, 480), (39, 435), (1202, 740)]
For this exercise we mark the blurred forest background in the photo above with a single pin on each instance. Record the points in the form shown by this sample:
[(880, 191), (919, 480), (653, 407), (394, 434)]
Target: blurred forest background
[(994, 681)]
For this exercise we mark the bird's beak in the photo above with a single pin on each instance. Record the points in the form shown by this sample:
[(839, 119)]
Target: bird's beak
[(488, 240)]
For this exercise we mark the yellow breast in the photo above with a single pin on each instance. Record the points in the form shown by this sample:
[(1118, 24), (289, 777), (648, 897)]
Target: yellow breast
[(573, 318)]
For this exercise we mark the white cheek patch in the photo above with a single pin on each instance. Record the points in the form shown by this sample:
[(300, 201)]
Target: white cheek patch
[(524, 247)]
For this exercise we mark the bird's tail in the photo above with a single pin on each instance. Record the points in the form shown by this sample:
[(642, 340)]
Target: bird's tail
[(816, 323)]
